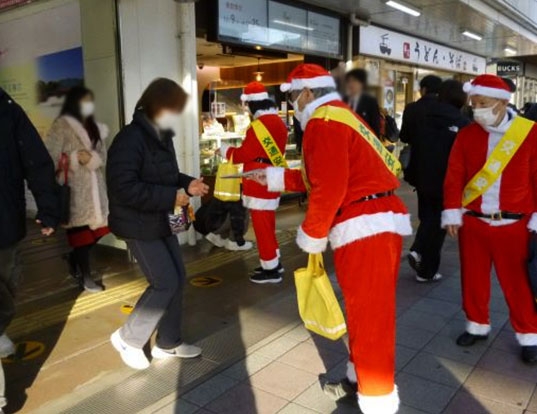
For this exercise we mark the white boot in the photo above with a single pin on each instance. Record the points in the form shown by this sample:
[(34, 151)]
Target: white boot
[(7, 347), (133, 357), (235, 247), (184, 351), (216, 240)]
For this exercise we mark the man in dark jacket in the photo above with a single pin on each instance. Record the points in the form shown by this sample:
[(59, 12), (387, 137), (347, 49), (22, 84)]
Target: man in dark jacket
[(360, 101), (432, 140), (23, 156)]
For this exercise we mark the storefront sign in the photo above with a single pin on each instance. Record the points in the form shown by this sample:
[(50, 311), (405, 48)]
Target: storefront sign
[(509, 68), (279, 26), (376, 41)]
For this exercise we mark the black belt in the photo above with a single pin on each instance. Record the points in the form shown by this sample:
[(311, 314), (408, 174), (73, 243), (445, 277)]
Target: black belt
[(370, 197), (263, 161), (500, 215)]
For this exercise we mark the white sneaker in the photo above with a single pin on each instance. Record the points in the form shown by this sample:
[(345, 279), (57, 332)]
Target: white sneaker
[(182, 351), (7, 347), (216, 240), (133, 357), (435, 278), (234, 246)]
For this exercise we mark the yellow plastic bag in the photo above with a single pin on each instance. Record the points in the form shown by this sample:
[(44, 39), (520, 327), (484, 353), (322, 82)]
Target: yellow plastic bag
[(317, 302), (227, 189)]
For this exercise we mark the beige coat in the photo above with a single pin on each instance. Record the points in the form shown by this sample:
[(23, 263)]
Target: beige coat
[(89, 202)]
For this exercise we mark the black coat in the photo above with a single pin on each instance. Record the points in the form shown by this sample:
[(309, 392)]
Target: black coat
[(23, 156), (413, 117), (142, 179), (432, 142), (368, 109)]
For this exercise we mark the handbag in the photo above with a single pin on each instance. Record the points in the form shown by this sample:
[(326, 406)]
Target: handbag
[(227, 189), (317, 303), (65, 190), (181, 220)]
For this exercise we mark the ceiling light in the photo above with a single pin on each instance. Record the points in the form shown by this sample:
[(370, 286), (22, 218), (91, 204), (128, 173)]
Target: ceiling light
[(509, 50), (258, 74), (296, 26), (472, 35), (404, 7)]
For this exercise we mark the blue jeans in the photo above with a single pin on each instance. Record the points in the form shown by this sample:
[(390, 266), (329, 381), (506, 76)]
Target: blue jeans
[(160, 306)]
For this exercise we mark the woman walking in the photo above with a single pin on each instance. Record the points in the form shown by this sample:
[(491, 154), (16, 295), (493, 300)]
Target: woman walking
[(144, 186), (78, 138)]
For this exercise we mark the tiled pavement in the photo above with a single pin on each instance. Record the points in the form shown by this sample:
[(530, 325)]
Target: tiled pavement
[(434, 375)]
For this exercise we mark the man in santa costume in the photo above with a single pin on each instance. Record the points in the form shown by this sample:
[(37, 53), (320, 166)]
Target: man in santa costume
[(264, 146), (351, 180), (489, 200)]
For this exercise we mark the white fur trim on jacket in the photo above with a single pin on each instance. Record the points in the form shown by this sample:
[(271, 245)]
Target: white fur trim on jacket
[(486, 91), (312, 83), (367, 225), (270, 264), (529, 339), (475, 328), (532, 225), (275, 179), (310, 244), (95, 161), (224, 149), (255, 203), (261, 96), (312, 107), (382, 404), (261, 112), (351, 372), (452, 217)]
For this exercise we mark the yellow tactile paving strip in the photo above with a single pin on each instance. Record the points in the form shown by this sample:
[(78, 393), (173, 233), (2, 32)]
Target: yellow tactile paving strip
[(89, 303)]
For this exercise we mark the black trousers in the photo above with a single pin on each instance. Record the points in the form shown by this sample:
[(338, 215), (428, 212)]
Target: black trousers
[(160, 306), (430, 235), (9, 282)]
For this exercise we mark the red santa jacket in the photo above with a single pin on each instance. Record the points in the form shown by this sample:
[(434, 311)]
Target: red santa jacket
[(516, 189), (256, 196), (341, 168)]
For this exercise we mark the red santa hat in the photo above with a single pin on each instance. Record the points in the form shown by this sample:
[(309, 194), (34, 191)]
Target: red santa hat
[(488, 85), (310, 76), (254, 91)]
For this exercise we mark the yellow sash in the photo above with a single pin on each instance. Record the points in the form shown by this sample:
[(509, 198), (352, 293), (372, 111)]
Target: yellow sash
[(345, 116), (513, 138), (269, 145)]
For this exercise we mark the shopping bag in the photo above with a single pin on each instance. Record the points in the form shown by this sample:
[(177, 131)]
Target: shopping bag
[(227, 189), (317, 302)]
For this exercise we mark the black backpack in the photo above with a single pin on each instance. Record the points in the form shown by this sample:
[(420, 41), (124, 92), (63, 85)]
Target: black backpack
[(391, 132)]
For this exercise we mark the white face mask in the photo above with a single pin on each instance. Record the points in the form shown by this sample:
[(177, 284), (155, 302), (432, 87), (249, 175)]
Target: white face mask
[(485, 116), (167, 120), (298, 112), (87, 109)]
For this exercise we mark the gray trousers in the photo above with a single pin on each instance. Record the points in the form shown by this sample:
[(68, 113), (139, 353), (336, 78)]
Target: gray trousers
[(161, 305), (9, 280)]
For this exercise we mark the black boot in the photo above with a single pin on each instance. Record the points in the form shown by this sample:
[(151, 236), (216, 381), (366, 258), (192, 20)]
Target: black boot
[(468, 339), (529, 354), (72, 265), (340, 389)]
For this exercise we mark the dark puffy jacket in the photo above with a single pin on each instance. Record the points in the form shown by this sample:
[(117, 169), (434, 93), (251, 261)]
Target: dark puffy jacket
[(23, 156), (142, 177), (433, 142)]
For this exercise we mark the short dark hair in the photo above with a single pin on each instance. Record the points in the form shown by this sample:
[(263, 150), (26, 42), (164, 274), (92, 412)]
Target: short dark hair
[(263, 105), (510, 84), (71, 107), (451, 92), (162, 93), (359, 75), (431, 83)]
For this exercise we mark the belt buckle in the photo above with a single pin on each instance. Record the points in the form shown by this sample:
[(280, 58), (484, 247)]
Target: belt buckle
[(496, 216)]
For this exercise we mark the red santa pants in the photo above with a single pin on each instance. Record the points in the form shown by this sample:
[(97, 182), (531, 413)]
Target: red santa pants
[(367, 272), (505, 247), (264, 223)]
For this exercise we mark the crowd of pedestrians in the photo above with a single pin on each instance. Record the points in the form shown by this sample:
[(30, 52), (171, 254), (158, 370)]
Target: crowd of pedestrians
[(475, 178)]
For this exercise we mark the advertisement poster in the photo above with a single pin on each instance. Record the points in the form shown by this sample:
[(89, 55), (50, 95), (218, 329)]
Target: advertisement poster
[(40, 59), (376, 41)]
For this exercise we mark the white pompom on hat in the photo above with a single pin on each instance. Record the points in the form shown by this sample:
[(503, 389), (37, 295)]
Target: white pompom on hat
[(254, 91), (308, 75), (488, 85)]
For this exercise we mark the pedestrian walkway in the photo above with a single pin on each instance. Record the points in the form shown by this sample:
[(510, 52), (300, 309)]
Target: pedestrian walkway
[(257, 356)]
